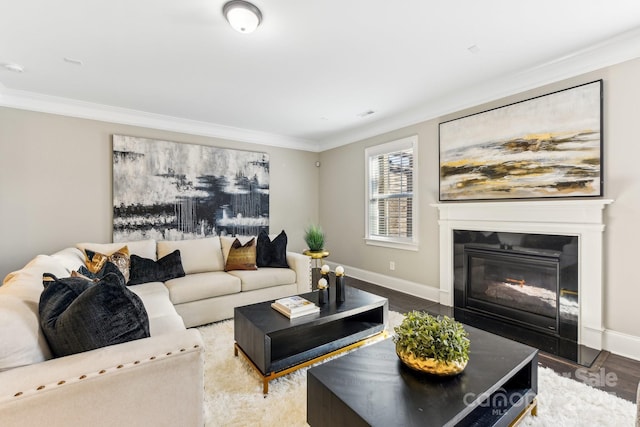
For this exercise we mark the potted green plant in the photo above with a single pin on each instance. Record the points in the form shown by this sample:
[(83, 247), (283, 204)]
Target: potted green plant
[(314, 237), (437, 345)]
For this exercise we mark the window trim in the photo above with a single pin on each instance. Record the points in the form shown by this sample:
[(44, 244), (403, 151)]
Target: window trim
[(410, 244)]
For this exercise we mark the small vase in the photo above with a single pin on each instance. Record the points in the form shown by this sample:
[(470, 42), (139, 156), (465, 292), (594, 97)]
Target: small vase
[(326, 277), (340, 290), (323, 296)]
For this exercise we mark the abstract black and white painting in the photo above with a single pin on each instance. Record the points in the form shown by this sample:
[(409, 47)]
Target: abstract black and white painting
[(166, 190), (549, 146)]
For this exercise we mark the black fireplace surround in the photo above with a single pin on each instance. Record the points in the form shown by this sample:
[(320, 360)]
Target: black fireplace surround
[(521, 286)]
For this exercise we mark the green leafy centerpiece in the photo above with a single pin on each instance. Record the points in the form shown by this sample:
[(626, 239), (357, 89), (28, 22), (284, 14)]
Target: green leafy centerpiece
[(436, 345), (314, 237)]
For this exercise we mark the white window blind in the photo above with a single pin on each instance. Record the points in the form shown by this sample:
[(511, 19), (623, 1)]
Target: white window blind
[(391, 204)]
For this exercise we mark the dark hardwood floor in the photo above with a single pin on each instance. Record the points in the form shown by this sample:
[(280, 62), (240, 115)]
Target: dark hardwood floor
[(609, 372)]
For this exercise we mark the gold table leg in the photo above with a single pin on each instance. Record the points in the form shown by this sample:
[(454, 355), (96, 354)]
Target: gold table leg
[(532, 408), (273, 375)]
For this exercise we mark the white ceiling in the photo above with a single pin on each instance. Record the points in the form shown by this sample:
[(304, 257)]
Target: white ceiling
[(306, 75)]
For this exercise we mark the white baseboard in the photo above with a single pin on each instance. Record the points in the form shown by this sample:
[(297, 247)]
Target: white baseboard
[(622, 344), (412, 288), (616, 342)]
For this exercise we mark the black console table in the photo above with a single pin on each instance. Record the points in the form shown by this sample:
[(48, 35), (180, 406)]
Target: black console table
[(276, 345)]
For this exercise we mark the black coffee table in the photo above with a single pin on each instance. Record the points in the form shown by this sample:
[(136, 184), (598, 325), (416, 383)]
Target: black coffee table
[(371, 387), (276, 345)]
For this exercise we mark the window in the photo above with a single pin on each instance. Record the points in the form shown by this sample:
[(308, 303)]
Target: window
[(391, 211)]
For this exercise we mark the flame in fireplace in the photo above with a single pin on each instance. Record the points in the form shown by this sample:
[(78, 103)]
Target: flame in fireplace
[(515, 281), (524, 296)]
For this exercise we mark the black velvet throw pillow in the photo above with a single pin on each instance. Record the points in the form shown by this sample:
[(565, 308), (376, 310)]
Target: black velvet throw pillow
[(78, 315), (108, 267), (263, 246), (272, 253), (144, 270)]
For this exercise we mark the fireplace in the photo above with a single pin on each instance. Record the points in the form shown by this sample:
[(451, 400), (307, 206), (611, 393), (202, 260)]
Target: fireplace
[(574, 329), (526, 284), (512, 284)]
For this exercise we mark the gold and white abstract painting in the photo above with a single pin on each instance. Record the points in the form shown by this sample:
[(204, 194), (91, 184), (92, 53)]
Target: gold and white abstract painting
[(549, 146)]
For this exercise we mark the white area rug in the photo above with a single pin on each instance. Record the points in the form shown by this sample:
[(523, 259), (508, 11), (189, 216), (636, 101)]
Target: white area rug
[(233, 393)]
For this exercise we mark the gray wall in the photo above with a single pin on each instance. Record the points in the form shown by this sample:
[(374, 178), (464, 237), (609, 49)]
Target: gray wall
[(342, 198), (56, 179), (55, 191)]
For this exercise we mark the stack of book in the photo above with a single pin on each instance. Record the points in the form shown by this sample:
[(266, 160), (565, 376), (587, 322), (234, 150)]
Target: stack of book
[(294, 306)]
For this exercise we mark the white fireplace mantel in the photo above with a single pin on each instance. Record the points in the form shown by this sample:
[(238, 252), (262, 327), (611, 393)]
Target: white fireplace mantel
[(580, 217)]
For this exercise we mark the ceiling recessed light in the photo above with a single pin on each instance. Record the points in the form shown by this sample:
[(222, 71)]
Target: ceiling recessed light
[(16, 68), (72, 60), (366, 113)]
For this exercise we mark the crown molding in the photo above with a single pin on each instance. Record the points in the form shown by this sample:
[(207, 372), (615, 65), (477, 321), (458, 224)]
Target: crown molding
[(618, 49), (86, 110), (615, 50)]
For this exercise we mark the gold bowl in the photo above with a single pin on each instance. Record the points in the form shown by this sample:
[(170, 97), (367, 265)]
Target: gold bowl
[(430, 365)]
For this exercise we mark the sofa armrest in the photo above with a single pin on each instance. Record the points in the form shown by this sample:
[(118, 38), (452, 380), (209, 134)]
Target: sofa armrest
[(301, 264), (152, 381)]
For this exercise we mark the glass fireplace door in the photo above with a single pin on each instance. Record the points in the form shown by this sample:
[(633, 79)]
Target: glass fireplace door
[(513, 284)]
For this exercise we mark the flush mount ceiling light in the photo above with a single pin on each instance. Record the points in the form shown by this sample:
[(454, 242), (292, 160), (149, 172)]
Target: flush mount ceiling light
[(243, 16)]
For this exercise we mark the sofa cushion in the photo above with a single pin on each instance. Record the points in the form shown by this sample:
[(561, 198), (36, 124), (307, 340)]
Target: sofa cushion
[(198, 255), (194, 287), (21, 342), (265, 277), (77, 315), (70, 258), (272, 253), (145, 270), (143, 248), (27, 282), (21, 339), (241, 256), (163, 317)]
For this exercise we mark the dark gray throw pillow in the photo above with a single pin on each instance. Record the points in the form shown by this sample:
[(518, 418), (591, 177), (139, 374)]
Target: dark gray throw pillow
[(272, 253), (79, 315), (109, 267), (144, 270)]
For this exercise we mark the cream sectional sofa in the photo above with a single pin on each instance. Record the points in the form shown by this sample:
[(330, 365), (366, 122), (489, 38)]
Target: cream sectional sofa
[(152, 381), (208, 294)]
